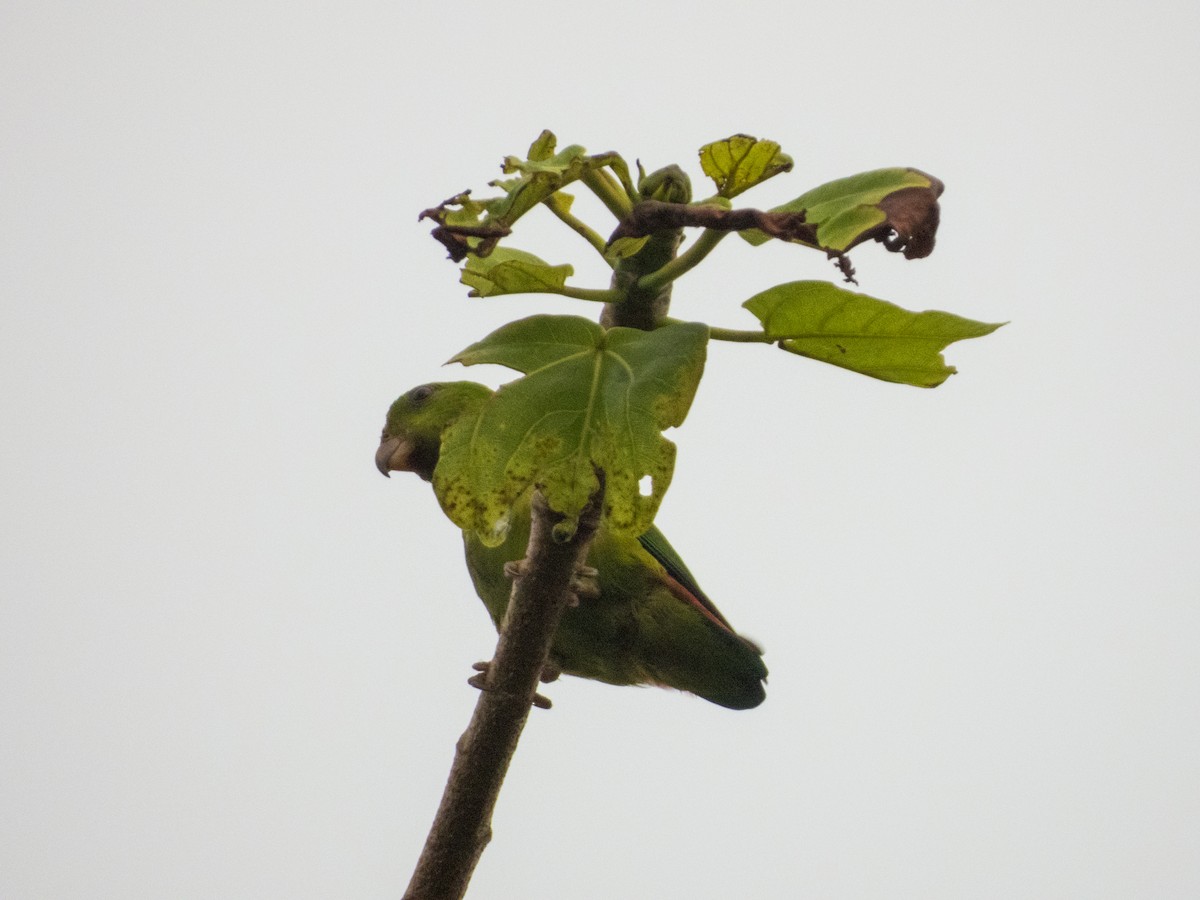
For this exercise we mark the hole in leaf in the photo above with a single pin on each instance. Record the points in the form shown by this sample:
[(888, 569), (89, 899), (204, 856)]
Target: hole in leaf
[(646, 486)]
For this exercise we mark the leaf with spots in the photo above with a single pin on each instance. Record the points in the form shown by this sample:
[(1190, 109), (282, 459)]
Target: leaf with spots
[(741, 162), (897, 207), (510, 271), (825, 322), (592, 400)]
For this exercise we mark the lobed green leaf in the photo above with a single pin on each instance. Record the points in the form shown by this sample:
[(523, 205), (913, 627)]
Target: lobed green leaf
[(592, 400), (510, 271), (822, 321), (741, 162)]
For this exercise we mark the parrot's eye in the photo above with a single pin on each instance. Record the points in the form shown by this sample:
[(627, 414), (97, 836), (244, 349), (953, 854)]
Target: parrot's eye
[(419, 395)]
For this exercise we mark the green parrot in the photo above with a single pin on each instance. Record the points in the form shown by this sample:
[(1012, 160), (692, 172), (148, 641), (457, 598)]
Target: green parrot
[(649, 624)]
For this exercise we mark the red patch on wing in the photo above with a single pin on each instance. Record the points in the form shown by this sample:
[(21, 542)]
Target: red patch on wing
[(682, 593)]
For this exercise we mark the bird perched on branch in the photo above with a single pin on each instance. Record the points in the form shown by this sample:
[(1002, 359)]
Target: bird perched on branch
[(645, 622)]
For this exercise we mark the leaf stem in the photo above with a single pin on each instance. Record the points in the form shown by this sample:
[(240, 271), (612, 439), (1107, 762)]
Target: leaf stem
[(596, 295), (738, 336), (580, 227), (604, 186), (617, 164), (684, 262)]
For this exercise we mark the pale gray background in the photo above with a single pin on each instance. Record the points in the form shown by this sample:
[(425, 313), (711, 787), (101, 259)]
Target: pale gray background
[(232, 657)]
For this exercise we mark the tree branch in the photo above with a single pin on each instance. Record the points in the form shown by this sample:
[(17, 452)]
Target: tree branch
[(541, 589), (654, 217), (651, 216)]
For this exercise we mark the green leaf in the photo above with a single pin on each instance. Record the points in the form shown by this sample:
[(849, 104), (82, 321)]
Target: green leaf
[(591, 399), (825, 322), (625, 247), (476, 227), (560, 201), (543, 146), (510, 271), (539, 178), (542, 175), (871, 205), (740, 162)]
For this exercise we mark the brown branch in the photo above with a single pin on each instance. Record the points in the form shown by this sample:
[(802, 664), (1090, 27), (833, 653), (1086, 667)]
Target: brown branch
[(541, 589), (651, 216), (910, 223)]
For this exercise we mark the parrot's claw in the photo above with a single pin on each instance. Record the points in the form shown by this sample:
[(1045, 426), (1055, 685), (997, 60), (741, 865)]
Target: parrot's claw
[(585, 585), (480, 681), (550, 672)]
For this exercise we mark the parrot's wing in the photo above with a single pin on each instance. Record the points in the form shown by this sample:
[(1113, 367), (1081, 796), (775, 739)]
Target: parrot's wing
[(657, 546)]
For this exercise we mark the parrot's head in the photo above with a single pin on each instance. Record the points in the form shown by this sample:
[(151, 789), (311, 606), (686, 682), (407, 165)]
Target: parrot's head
[(412, 434)]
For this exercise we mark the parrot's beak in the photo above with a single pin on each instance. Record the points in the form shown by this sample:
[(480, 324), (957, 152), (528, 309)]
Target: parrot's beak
[(392, 455)]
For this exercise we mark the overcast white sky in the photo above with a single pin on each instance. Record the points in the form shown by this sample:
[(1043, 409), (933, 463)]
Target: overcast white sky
[(233, 658)]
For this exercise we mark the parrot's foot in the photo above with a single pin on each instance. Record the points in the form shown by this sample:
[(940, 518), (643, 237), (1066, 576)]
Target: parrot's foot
[(479, 681), (550, 672), (585, 585)]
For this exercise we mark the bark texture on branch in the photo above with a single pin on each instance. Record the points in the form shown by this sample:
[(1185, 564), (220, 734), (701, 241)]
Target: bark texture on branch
[(541, 589)]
